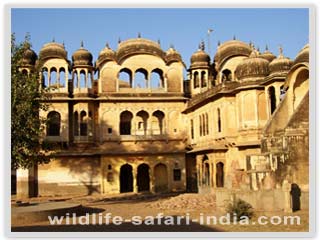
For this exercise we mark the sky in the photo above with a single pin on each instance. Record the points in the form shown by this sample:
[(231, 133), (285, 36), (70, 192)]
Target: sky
[(182, 28)]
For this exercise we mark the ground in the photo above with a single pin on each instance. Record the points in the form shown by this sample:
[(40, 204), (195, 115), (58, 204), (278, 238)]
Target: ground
[(195, 206)]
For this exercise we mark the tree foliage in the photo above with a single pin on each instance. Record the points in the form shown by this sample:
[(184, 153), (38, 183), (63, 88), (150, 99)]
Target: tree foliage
[(26, 102)]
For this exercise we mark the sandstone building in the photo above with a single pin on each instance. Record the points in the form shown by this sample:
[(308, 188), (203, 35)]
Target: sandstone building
[(130, 122)]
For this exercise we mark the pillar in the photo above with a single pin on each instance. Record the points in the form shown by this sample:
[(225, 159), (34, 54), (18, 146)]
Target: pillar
[(27, 182)]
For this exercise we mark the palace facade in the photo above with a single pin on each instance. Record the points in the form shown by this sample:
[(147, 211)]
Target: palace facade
[(131, 122)]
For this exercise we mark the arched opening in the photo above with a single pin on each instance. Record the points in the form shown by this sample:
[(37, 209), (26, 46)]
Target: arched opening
[(161, 178), (75, 79), (126, 178), (272, 99), (76, 124), (83, 79), (142, 123), (219, 174), (53, 123), (53, 77), (207, 123), (125, 123), (226, 75), (45, 80), (301, 86), (192, 129), (282, 92), (62, 80), (90, 80), (143, 178), (156, 79), (24, 72), (195, 80), (125, 78), (219, 119), (200, 125), (83, 124), (141, 78), (157, 124), (206, 171), (203, 79)]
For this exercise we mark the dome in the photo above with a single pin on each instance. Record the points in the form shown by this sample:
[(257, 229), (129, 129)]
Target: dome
[(268, 55), (106, 54), (231, 48), (254, 67), (82, 57), (172, 56), (303, 55), (53, 50), (29, 57), (138, 46), (200, 58), (280, 64)]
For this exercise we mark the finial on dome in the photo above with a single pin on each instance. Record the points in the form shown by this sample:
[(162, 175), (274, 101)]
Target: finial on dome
[(258, 49), (251, 45), (53, 39), (234, 37), (171, 46), (107, 45), (81, 44), (219, 43), (267, 49), (202, 46), (119, 40), (63, 44), (139, 35), (280, 50), (159, 41)]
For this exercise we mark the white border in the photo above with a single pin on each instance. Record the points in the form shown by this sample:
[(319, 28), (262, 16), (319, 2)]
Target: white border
[(5, 107)]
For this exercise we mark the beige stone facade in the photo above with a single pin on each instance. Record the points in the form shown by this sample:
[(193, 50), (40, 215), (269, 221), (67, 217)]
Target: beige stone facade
[(132, 123)]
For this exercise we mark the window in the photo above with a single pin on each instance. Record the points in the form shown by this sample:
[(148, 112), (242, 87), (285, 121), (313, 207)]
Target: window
[(203, 79), (272, 99), (219, 120), (200, 125), (53, 124), (125, 123), (176, 174), (196, 80), (192, 129), (83, 124), (109, 130)]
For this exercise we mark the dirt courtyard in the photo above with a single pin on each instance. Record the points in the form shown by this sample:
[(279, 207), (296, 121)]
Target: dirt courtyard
[(145, 212)]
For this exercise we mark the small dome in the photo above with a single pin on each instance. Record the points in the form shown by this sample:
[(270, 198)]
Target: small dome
[(52, 50), (231, 48), (106, 54), (200, 58), (172, 56), (29, 57), (280, 64), (268, 55), (254, 67), (303, 55), (82, 57)]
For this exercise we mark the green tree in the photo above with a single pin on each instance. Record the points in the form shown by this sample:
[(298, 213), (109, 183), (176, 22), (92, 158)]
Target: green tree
[(26, 102)]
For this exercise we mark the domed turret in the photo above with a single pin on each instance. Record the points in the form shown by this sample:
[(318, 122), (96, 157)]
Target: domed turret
[(106, 54), (231, 48), (281, 64), (200, 58), (29, 57), (268, 55), (303, 55), (172, 56), (52, 50), (82, 57), (252, 68)]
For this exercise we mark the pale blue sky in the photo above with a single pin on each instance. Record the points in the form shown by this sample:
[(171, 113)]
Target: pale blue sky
[(184, 28)]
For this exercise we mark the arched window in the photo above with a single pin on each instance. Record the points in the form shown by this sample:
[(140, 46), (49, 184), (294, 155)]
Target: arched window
[(203, 79), (272, 99), (125, 78), (301, 86), (125, 123), (83, 82), (156, 79), (76, 124), (45, 80), (195, 80), (226, 75), (89, 81), (157, 123), (219, 119), (203, 125), (219, 174), (192, 129), (62, 74), (53, 124), (200, 125), (142, 123), (207, 123), (83, 124), (141, 78), (25, 72), (53, 76), (75, 79), (282, 92)]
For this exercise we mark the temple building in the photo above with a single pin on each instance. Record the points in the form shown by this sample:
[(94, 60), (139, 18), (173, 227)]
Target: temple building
[(131, 122)]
